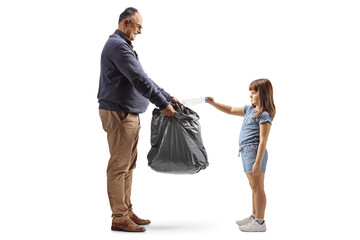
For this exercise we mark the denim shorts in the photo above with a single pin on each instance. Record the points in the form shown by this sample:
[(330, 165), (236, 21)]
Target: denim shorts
[(248, 156)]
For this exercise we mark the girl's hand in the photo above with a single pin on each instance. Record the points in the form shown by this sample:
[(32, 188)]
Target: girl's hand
[(256, 169), (210, 100)]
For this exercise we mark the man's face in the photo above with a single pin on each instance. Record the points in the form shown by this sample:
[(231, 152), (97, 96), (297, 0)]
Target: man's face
[(133, 26)]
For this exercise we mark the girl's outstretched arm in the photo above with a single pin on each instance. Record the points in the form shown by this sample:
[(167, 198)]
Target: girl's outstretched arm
[(237, 111)]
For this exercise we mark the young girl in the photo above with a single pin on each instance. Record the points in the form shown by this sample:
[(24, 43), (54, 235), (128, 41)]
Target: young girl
[(253, 137)]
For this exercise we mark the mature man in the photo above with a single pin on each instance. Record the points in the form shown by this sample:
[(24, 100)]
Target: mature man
[(124, 93)]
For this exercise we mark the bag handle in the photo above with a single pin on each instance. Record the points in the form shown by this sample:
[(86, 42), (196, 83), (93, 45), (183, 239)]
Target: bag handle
[(178, 107)]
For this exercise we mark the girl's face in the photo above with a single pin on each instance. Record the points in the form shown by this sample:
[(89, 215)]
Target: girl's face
[(255, 98)]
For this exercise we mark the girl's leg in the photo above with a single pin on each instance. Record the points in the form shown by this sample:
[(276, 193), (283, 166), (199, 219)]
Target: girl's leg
[(253, 196), (257, 186)]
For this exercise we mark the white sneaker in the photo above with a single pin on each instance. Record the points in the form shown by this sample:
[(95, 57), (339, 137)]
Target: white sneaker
[(253, 226), (245, 221)]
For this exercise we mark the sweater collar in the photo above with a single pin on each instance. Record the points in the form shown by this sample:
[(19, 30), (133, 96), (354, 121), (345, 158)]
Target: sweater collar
[(118, 32)]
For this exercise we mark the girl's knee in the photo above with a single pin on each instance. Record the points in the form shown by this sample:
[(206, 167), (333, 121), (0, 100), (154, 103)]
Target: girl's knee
[(257, 189)]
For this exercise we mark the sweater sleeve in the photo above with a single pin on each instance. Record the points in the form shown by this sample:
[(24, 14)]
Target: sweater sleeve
[(164, 93), (127, 63)]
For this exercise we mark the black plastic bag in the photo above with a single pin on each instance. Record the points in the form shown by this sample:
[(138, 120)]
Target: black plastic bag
[(176, 144)]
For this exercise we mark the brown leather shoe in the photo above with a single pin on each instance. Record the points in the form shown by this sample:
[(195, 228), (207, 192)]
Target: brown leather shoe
[(127, 225), (138, 220)]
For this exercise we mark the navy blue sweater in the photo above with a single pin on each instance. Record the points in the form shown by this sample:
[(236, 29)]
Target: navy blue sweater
[(124, 86)]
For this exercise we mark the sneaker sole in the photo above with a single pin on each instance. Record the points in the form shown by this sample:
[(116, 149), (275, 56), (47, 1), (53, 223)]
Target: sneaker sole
[(253, 231)]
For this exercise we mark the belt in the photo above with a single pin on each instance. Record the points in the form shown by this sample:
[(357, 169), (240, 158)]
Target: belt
[(246, 144)]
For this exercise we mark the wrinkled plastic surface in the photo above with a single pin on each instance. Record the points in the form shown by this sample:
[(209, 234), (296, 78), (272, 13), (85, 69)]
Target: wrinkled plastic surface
[(176, 144)]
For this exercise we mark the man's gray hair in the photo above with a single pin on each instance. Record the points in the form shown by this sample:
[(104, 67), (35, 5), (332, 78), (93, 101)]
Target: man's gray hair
[(128, 13)]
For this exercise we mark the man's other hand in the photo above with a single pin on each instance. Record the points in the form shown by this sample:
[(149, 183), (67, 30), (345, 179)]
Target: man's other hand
[(168, 111)]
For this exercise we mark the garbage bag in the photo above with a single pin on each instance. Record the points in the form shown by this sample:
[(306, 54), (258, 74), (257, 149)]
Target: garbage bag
[(176, 144)]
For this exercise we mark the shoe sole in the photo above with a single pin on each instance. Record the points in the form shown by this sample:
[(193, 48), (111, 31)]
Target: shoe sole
[(252, 231), (124, 230)]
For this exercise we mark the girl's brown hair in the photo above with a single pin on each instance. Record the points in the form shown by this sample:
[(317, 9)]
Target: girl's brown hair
[(265, 89)]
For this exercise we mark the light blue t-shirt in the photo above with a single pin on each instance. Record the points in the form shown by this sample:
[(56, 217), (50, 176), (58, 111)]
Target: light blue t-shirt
[(250, 130)]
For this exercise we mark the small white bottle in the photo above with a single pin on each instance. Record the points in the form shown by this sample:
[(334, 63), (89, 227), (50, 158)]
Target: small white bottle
[(193, 101)]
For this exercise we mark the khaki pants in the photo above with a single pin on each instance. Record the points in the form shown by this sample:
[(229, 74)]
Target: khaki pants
[(122, 134)]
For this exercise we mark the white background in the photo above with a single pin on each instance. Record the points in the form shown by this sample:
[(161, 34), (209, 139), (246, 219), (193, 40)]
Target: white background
[(54, 151)]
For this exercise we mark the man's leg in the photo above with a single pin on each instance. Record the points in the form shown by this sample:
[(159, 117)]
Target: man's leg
[(132, 165), (122, 129)]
